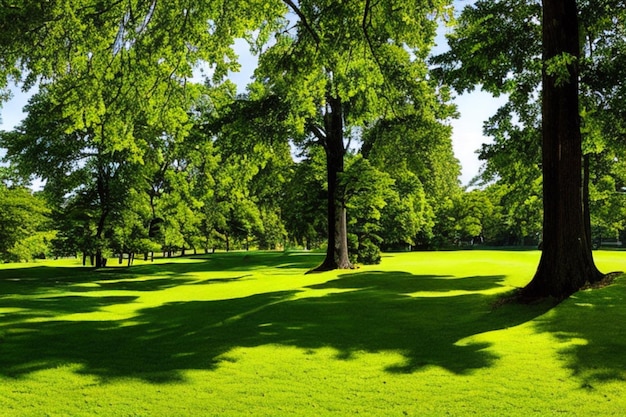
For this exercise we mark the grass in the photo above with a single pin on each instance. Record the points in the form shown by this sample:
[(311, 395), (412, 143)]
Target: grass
[(250, 334)]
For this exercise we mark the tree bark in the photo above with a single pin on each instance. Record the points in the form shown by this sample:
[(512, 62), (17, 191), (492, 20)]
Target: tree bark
[(337, 250), (586, 203), (566, 262)]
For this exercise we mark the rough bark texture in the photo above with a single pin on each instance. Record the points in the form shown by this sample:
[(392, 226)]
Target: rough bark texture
[(566, 263), (337, 251), (586, 209)]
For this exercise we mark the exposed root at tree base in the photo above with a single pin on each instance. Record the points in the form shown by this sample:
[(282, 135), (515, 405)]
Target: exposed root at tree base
[(605, 281), (518, 297), (521, 297), (324, 268)]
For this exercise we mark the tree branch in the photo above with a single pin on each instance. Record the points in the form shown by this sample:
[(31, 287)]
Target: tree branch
[(318, 133), (364, 25), (304, 20)]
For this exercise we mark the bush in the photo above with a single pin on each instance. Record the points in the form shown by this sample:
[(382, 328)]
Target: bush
[(368, 253), (363, 250)]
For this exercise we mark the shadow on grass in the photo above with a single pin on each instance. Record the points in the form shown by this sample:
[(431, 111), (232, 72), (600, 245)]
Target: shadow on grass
[(591, 325), (149, 277), (424, 318)]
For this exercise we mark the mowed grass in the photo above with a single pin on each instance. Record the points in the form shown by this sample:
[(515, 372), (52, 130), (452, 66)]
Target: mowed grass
[(251, 334)]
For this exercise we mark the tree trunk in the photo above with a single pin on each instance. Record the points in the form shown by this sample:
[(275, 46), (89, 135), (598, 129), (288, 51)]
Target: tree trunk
[(586, 209), (566, 262), (103, 195), (337, 251), (99, 259)]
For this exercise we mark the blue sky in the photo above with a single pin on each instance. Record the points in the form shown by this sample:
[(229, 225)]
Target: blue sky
[(474, 109)]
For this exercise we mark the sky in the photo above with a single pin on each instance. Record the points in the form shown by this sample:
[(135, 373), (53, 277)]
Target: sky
[(474, 109)]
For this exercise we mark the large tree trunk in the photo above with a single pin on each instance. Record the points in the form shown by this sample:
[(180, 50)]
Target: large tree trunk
[(337, 251), (586, 202), (566, 262)]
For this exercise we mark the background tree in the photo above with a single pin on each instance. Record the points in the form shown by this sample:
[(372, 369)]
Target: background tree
[(25, 230), (417, 152), (77, 165), (366, 191), (305, 199)]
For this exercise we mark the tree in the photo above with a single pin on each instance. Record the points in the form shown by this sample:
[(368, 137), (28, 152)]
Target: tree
[(416, 151), (303, 207), (80, 165), (512, 63), (268, 188), (357, 61), (366, 191), (566, 262), (25, 231), (343, 65)]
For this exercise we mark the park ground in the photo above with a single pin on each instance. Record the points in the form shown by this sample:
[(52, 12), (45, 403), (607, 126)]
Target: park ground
[(250, 334)]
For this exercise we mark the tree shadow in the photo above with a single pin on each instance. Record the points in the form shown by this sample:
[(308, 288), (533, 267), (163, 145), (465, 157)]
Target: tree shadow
[(52, 280), (590, 324), (224, 261), (423, 318), (149, 277)]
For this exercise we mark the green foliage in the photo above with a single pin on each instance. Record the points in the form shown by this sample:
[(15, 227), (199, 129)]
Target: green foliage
[(303, 206), (416, 151), (559, 67), (495, 45), (24, 225), (366, 191)]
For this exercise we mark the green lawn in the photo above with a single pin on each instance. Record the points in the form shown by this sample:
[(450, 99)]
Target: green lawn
[(250, 334)]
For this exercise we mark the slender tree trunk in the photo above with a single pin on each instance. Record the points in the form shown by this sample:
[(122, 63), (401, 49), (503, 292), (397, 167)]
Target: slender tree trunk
[(99, 259), (337, 251), (103, 195), (566, 262)]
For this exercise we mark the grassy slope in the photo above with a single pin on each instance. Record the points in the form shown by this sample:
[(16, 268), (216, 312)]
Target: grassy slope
[(250, 334)]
